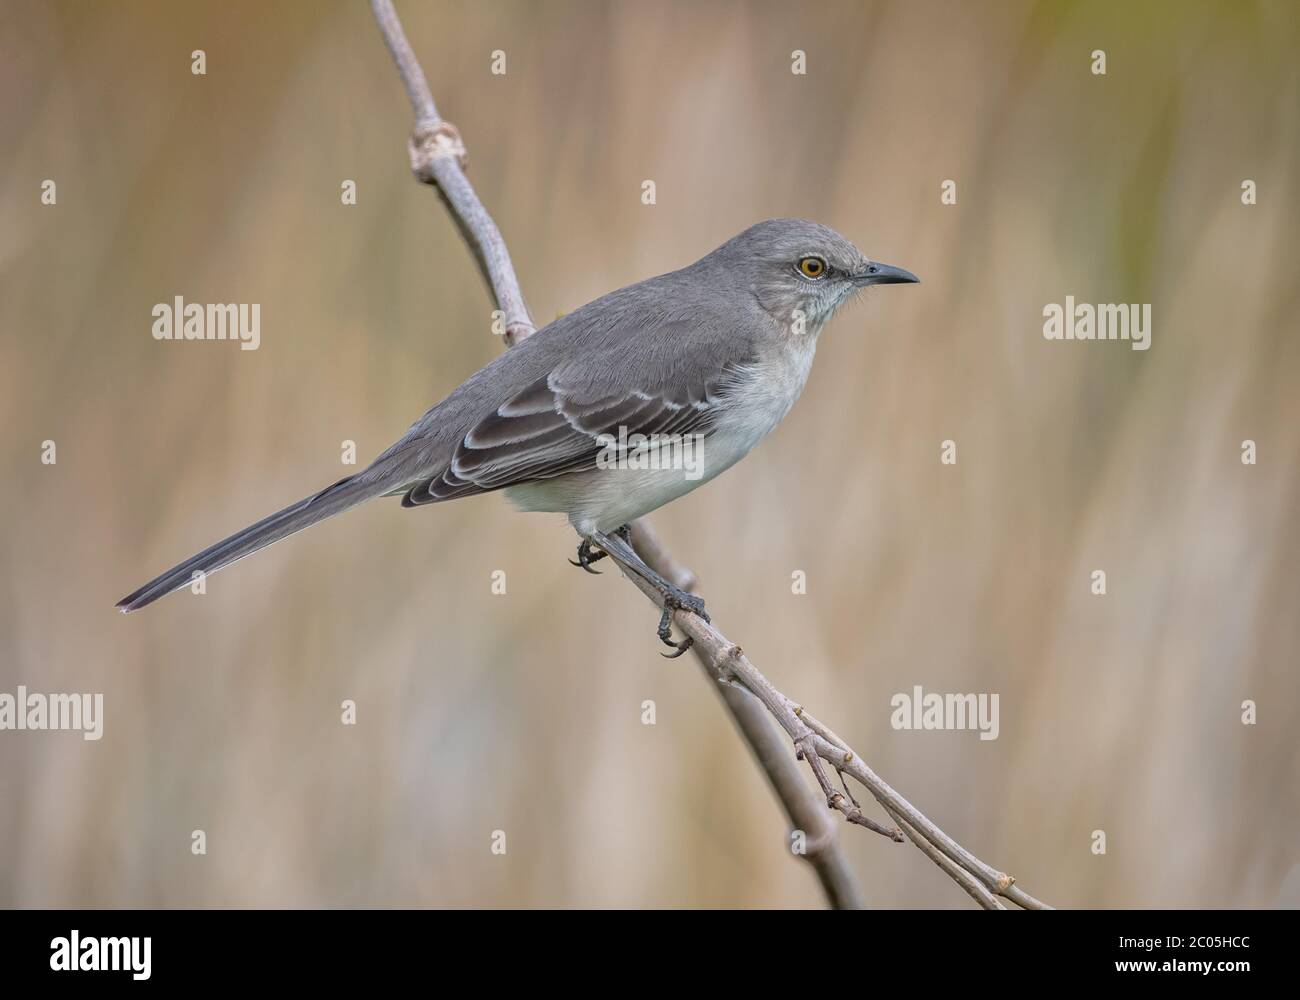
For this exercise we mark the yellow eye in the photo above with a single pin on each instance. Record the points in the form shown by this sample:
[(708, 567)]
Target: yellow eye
[(812, 267)]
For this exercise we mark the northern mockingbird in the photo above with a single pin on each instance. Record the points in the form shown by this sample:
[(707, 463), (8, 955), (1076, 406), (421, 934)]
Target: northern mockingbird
[(614, 409)]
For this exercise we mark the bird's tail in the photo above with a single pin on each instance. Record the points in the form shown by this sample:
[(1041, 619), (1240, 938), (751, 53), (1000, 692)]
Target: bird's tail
[(332, 500)]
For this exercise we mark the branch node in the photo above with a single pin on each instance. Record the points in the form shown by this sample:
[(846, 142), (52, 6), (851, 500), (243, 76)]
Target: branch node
[(432, 142)]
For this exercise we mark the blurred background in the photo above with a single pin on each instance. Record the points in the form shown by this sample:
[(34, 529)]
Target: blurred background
[(523, 712)]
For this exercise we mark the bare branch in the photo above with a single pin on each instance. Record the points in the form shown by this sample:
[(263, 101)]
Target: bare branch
[(438, 158), (821, 849), (838, 800), (408, 67), (813, 740), (959, 875)]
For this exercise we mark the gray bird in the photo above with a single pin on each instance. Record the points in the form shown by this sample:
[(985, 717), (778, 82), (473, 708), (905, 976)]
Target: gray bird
[(592, 416)]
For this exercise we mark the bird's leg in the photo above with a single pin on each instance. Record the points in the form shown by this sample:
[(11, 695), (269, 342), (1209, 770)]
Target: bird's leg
[(586, 556), (673, 597)]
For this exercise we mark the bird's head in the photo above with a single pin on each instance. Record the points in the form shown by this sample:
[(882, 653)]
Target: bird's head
[(801, 272)]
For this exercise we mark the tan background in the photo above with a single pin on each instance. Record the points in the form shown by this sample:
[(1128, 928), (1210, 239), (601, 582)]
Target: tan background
[(522, 712)]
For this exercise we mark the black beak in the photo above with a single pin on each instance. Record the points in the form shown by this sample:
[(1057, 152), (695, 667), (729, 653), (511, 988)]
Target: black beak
[(884, 274)]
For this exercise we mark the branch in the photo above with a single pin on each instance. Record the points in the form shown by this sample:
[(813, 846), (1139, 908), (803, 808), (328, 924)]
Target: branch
[(437, 158), (822, 849), (815, 742)]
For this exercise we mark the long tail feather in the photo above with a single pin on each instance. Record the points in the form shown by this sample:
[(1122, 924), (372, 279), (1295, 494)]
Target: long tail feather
[(329, 501)]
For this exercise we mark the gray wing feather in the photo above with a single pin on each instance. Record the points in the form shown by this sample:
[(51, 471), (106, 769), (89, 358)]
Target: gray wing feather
[(648, 358), (547, 431)]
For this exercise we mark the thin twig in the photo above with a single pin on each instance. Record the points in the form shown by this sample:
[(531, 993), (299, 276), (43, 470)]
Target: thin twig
[(408, 67), (837, 800), (963, 878), (835, 750), (813, 740), (437, 158)]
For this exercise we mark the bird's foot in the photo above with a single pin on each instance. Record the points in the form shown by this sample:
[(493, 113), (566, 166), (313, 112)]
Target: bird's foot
[(619, 544), (676, 599), (587, 555)]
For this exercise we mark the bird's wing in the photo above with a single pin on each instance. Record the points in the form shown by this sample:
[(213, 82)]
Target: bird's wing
[(555, 426)]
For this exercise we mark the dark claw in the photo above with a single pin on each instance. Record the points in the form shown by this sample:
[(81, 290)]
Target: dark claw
[(673, 600), (586, 557), (619, 543)]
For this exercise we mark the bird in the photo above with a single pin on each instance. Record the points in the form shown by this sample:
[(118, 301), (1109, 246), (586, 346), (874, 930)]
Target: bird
[(614, 409)]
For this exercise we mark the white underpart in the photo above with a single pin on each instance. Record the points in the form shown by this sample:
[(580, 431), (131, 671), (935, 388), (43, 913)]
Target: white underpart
[(604, 499)]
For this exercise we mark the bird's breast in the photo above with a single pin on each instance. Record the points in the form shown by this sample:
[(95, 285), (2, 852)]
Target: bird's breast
[(763, 392)]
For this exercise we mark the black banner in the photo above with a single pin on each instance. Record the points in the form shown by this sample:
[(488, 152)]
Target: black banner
[(340, 948)]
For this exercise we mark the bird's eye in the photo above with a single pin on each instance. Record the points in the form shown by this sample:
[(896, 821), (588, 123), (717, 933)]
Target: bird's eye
[(812, 267)]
